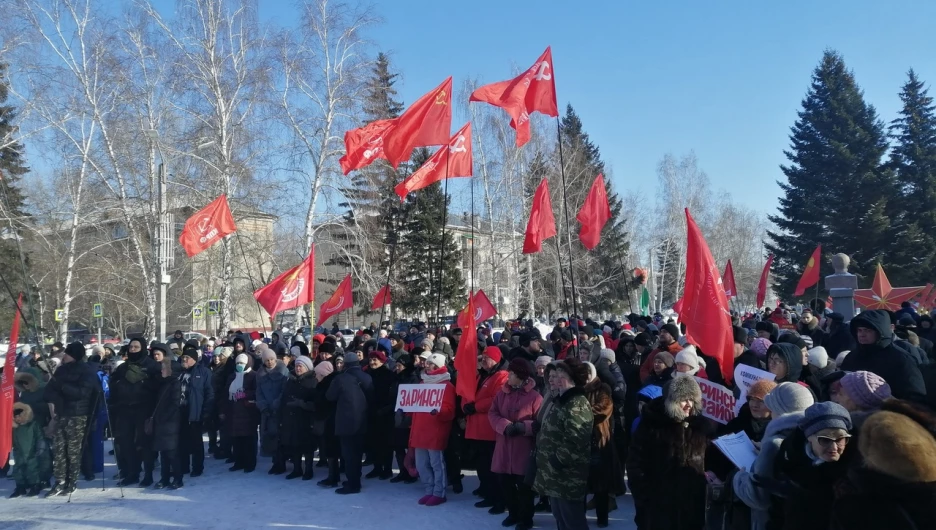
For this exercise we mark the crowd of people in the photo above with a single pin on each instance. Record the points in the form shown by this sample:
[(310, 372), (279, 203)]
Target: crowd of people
[(563, 423)]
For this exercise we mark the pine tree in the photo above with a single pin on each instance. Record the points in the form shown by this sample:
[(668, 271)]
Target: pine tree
[(418, 256), (12, 208), (913, 159), (836, 191)]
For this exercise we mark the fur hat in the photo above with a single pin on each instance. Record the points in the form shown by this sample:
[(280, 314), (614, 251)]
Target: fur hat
[(24, 411), (740, 334), (577, 372), (379, 355), (678, 390), (642, 339), (521, 368), (438, 360), (764, 326), (818, 357), (899, 441), (867, 389), (761, 388), (305, 361), (760, 346), (787, 398), (666, 357), (327, 347)]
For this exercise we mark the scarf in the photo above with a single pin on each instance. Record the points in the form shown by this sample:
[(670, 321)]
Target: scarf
[(236, 390), (436, 376)]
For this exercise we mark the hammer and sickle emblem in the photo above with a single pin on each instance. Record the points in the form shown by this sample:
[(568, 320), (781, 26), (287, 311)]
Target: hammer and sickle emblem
[(543, 72), (459, 146), (441, 97)]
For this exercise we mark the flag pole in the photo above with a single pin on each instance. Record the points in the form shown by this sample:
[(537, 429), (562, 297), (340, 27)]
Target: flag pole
[(383, 302), (565, 296), (471, 289), (445, 201), (818, 280), (565, 201), (253, 286)]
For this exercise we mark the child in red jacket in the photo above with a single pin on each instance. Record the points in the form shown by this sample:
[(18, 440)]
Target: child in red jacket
[(430, 432)]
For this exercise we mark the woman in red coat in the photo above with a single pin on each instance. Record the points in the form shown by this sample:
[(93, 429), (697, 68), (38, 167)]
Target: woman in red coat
[(491, 378), (512, 415), (429, 433)]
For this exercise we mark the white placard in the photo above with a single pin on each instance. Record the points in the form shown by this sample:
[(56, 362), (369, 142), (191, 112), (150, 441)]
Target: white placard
[(420, 398), (744, 377)]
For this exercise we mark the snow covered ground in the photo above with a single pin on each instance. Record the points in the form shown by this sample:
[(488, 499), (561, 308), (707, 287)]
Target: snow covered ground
[(230, 500)]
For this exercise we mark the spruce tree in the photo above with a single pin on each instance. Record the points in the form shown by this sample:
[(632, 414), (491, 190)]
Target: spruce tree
[(13, 215), (913, 160), (419, 253), (836, 191)]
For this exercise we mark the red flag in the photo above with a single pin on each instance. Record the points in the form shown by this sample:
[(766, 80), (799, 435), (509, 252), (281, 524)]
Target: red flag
[(483, 309), (7, 389), (290, 289), (542, 224), (207, 226), (340, 300), (594, 214), (466, 358), (453, 160), (704, 304), (810, 275), (730, 290), (428, 121), (762, 285), (532, 91), (382, 298)]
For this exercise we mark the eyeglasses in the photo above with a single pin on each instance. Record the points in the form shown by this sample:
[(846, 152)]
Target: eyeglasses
[(826, 441)]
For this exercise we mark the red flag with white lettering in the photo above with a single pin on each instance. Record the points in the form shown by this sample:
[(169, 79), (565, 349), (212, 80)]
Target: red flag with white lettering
[(290, 289), (207, 226), (542, 224), (428, 121), (483, 309), (453, 160), (7, 388), (340, 300), (532, 91), (704, 304), (466, 358)]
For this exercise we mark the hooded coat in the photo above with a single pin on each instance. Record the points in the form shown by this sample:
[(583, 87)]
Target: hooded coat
[(74, 390), (167, 413), (133, 386), (26, 443), (512, 405), (561, 464), (884, 359), (666, 467), (489, 384), (31, 392)]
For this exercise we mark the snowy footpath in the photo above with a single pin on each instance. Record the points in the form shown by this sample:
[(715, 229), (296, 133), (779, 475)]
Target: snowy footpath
[(230, 500)]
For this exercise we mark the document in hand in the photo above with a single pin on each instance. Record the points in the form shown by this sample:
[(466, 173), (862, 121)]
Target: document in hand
[(738, 448)]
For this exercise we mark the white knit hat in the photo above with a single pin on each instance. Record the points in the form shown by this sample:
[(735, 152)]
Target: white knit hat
[(242, 359), (436, 359), (688, 355), (818, 357)]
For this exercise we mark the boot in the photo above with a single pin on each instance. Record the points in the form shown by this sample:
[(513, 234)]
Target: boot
[(129, 481), (374, 473), (70, 488), (401, 476), (296, 473), (57, 490), (34, 490), (308, 475), (328, 483), (162, 484), (277, 470), (457, 486), (147, 480), (322, 462), (19, 491), (174, 485)]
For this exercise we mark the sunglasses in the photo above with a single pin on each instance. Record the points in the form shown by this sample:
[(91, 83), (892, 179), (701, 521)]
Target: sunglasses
[(826, 441)]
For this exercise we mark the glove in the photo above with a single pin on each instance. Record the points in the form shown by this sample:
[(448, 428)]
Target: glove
[(555, 463), (469, 408), (511, 430), (519, 429), (295, 402), (433, 412), (536, 427)]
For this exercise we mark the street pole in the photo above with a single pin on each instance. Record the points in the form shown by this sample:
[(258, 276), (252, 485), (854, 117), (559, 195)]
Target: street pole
[(162, 251)]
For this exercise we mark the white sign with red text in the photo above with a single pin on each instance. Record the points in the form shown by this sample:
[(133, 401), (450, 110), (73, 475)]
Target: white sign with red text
[(420, 398), (718, 403)]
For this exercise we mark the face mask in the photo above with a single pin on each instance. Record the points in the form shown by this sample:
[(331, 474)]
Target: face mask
[(240, 367)]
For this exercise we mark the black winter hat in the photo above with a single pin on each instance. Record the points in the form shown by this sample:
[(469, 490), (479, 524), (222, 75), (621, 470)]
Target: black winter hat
[(764, 326), (76, 351), (642, 339), (740, 335), (159, 346), (672, 329), (588, 330), (327, 347)]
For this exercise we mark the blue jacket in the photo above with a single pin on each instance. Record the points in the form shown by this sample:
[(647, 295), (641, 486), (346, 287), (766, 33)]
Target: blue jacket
[(199, 393)]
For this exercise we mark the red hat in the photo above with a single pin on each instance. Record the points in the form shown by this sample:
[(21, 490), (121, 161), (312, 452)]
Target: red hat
[(318, 338), (493, 352), (254, 335), (379, 355)]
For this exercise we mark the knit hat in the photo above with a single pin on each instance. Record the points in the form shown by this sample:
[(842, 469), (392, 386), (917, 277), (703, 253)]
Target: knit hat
[(438, 360), (642, 339), (543, 360), (867, 389), (787, 398), (242, 359), (649, 393), (266, 354), (425, 355), (689, 356), (379, 355), (666, 357), (97, 349), (318, 338), (607, 353), (323, 369), (305, 361), (672, 329), (761, 388), (224, 351), (494, 353), (760, 346), (764, 326), (840, 358), (76, 351), (818, 357), (521, 368), (189, 352), (825, 415)]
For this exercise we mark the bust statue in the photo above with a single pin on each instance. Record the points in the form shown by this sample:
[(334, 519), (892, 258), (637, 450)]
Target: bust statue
[(840, 263)]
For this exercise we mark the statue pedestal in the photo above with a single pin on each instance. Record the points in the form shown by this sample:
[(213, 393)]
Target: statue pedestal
[(841, 287)]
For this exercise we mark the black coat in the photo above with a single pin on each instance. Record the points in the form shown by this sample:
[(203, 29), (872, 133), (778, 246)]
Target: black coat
[(381, 408), (73, 390), (134, 399), (167, 415), (199, 393), (880, 501), (323, 418), (884, 359), (352, 390), (295, 412), (242, 416), (666, 469), (838, 341), (219, 377)]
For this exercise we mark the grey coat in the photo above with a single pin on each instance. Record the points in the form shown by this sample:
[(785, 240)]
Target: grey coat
[(757, 498)]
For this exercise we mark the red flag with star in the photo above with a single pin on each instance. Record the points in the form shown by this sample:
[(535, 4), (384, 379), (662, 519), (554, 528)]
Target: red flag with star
[(207, 226), (453, 160), (532, 91), (290, 289), (810, 275)]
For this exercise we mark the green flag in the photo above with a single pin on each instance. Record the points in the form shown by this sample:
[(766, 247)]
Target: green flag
[(644, 301)]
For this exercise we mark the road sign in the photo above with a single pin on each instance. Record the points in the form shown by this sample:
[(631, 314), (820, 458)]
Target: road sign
[(197, 312), (214, 307), (59, 314), (98, 311)]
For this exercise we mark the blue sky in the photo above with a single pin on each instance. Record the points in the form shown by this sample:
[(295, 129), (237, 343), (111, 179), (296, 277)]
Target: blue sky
[(722, 78)]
